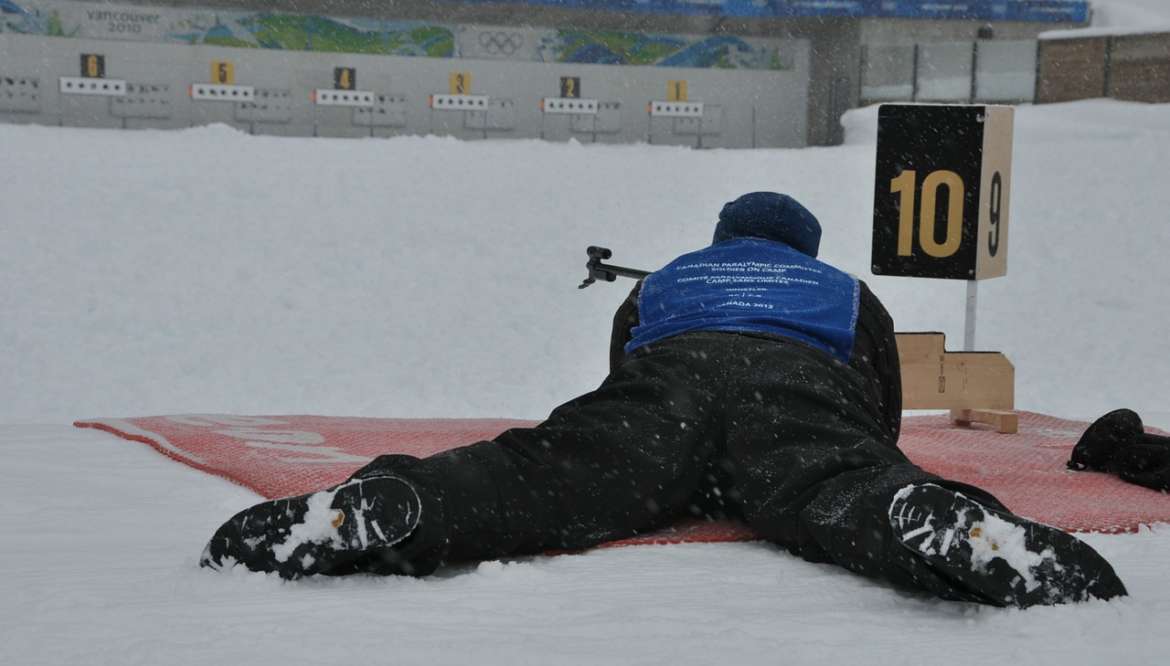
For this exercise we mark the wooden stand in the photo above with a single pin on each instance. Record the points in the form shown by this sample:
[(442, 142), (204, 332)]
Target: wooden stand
[(977, 387), (1003, 421)]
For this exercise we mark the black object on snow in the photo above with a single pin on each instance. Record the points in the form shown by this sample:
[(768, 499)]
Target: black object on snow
[(1117, 443), (368, 516), (1104, 437)]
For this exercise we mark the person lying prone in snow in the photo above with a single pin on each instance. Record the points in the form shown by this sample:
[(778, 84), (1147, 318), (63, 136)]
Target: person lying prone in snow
[(748, 379)]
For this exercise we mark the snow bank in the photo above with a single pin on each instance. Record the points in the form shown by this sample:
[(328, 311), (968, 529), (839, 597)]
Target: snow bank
[(1121, 17)]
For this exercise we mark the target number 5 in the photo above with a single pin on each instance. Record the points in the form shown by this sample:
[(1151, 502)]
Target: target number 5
[(906, 185)]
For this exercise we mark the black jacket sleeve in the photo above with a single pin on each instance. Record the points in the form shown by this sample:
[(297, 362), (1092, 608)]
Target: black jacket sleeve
[(875, 356), (624, 321)]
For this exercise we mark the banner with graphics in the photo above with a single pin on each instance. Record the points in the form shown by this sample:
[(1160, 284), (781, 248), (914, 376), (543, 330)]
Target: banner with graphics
[(1074, 11), (301, 32), (245, 29), (615, 47)]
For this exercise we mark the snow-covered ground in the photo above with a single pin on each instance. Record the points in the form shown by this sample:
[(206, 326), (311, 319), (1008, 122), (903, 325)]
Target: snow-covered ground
[(210, 271), (1131, 14)]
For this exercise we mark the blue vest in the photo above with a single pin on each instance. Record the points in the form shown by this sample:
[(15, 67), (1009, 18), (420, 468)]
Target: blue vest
[(750, 285)]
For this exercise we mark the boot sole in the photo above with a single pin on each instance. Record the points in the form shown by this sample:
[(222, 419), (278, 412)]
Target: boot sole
[(320, 532), (1005, 559)]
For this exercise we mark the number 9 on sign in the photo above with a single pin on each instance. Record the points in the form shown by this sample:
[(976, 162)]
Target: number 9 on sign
[(994, 213)]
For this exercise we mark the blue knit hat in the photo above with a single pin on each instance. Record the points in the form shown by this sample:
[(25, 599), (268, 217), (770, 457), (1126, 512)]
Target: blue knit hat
[(771, 216)]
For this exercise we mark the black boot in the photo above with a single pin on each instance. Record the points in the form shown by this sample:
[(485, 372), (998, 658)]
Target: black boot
[(998, 556), (1108, 434), (326, 532)]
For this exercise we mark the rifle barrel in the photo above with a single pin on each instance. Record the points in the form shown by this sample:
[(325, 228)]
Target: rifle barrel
[(623, 271)]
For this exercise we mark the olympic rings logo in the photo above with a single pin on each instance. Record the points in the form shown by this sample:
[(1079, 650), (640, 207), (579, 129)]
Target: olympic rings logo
[(498, 42)]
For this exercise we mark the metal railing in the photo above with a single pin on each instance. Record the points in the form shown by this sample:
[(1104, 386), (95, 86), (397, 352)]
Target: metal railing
[(991, 71), (1133, 67)]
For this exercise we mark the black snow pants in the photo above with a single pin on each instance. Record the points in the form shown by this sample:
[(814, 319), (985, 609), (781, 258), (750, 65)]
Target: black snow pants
[(769, 431)]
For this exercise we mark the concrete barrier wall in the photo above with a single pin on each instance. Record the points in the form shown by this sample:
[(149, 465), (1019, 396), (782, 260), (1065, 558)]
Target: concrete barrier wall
[(1071, 69), (1128, 67), (742, 108), (1139, 68)]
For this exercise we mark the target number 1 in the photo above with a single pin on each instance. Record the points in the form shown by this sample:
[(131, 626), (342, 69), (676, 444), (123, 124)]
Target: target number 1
[(906, 185)]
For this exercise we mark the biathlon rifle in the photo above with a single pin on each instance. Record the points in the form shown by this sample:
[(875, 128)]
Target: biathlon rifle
[(607, 272)]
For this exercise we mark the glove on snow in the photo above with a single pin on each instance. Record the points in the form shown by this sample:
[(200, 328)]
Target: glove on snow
[(1102, 440), (1118, 444), (1144, 464)]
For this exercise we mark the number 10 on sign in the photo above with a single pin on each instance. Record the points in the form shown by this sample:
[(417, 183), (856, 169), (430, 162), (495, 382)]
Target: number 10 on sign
[(905, 186)]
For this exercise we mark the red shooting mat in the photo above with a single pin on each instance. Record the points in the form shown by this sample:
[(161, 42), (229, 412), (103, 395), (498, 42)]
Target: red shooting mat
[(290, 455)]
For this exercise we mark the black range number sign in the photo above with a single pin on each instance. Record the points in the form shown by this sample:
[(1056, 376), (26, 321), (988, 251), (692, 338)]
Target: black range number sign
[(344, 78), (571, 87), (93, 66), (940, 200)]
